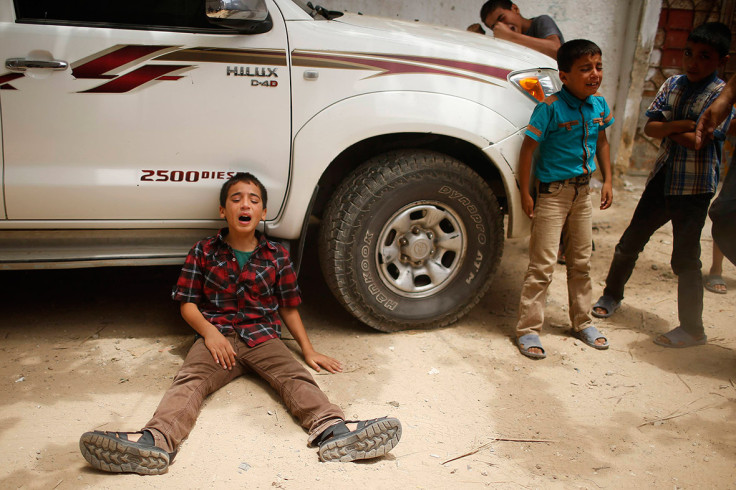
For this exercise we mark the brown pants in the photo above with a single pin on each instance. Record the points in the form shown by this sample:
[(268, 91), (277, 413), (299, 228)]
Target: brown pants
[(200, 376), (562, 203)]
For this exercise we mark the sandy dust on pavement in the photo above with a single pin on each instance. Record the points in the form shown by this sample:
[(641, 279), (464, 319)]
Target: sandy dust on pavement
[(95, 349)]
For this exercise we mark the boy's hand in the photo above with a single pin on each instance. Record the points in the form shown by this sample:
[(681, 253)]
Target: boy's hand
[(606, 195), (713, 116), (527, 204), (502, 31), (222, 351), (314, 359)]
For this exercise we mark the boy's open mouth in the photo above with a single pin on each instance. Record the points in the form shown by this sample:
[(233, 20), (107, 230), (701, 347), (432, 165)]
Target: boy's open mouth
[(244, 219)]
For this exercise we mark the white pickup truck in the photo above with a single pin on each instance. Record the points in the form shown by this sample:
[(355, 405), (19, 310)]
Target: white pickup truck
[(120, 121)]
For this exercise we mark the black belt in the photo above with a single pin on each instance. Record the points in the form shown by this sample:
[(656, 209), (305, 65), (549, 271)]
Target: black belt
[(577, 181)]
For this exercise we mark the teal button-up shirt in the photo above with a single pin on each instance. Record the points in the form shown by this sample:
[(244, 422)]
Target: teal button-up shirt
[(567, 131)]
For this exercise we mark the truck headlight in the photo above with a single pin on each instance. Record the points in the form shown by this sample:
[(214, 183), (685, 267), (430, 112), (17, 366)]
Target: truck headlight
[(536, 84)]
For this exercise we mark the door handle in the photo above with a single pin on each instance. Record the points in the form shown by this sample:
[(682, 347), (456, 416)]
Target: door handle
[(22, 64)]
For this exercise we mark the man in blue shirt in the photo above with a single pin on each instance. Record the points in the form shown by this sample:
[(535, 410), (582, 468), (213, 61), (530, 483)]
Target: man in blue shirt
[(566, 131)]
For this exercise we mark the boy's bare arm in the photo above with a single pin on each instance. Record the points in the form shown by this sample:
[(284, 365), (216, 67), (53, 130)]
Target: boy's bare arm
[(314, 359), (603, 153), (525, 170), (685, 139), (548, 45), (222, 351), (663, 129)]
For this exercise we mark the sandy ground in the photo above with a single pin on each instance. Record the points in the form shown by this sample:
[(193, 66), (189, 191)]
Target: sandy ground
[(95, 349)]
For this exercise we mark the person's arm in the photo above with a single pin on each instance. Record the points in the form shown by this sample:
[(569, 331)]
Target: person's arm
[(548, 45), (664, 129), (603, 153), (525, 171), (716, 113), (681, 131), (222, 351), (684, 139), (314, 359)]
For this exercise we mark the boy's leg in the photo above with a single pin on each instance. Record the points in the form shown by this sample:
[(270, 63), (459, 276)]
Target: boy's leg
[(276, 364), (550, 213), (577, 253), (649, 216), (688, 218), (198, 377), (714, 280)]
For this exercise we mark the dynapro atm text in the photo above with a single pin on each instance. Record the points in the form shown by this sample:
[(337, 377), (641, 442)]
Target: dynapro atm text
[(255, 72)]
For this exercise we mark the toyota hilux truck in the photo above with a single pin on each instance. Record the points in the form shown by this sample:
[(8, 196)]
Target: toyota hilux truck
[(119, 122)]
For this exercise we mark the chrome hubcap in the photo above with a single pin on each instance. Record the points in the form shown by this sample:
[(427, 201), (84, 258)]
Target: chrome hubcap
[(420, 249)]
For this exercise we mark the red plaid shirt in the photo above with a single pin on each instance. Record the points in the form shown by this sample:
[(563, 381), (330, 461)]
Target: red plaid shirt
[(244, 300)]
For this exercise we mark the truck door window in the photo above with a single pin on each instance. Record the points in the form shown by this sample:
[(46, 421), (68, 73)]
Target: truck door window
[(187, 15)]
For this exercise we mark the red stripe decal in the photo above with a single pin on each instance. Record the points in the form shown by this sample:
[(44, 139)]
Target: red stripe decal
[(9, 77), (491, 71), (389, 67), (135, 78), (98, 67), (397, 64)]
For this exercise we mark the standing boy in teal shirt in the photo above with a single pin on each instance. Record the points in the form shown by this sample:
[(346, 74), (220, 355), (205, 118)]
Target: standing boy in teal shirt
[(564, 134)]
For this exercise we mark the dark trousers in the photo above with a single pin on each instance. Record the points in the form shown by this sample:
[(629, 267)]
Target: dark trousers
[(687, 214)]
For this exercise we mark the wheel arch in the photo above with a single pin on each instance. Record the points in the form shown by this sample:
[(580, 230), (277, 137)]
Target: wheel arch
[(344, 135), (352, 157)]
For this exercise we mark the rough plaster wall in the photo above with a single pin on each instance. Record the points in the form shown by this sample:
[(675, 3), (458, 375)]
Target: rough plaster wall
[(602, 21), (631, 87)]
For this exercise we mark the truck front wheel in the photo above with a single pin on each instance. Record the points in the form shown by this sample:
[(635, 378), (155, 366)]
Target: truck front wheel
[(411, 239)]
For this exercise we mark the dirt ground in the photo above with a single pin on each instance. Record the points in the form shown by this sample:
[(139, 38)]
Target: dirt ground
[(95, 349)]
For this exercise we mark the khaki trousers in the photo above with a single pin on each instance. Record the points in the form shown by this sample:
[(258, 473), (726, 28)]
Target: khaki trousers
[(200, 376), (565, 205)]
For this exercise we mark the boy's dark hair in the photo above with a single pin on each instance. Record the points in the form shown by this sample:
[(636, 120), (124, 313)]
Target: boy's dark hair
[(492, 5), (246, 177), (715, 34), (572, 50)]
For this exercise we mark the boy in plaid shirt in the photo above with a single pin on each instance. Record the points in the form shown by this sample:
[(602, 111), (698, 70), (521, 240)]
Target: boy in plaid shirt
[(233, 288), (680, 186)]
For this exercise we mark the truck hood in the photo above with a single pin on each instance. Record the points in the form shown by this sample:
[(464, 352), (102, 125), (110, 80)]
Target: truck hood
[(457, 44)]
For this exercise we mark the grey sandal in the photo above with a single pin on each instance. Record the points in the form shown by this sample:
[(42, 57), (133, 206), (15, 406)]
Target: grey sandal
[(606, 303), (371, 439), (528, 341), (679, 338), (589, 335), (113, 452)]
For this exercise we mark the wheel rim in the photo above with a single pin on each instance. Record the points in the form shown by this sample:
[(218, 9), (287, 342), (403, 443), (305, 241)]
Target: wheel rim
[(421, 249)]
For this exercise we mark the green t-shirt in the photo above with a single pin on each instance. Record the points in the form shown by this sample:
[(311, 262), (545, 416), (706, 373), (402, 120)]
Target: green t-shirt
[(242, 257)]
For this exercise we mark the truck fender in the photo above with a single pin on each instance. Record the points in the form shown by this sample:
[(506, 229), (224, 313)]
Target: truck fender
[(339, 126)]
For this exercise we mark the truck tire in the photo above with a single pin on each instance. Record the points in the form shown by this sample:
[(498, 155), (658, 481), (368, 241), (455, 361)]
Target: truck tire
[(411, 239)]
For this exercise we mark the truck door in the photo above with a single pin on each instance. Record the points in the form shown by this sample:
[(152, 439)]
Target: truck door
[(138, 110)]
